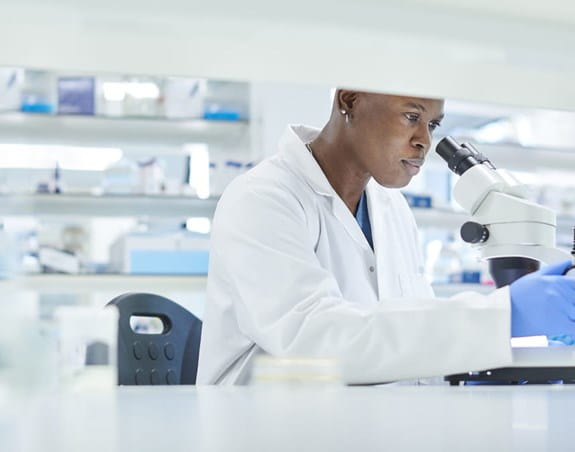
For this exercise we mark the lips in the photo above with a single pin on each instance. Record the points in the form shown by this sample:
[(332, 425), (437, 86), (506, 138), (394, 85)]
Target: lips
[(412, 165)]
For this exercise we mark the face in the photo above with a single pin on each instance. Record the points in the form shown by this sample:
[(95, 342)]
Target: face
[(391, 135)]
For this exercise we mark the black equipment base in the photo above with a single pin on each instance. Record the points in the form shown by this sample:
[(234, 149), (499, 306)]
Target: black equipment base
[(517, 375)]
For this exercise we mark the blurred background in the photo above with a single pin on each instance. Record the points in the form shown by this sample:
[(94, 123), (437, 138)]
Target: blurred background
[(118, 132)]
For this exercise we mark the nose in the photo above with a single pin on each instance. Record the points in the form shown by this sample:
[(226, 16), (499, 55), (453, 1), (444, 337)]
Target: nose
[(422, 138)]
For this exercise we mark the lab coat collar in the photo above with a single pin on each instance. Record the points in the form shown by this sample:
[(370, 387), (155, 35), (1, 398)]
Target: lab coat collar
[(294, 150)]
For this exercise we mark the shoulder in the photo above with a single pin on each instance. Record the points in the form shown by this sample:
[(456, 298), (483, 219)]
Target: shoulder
[(271, 186)]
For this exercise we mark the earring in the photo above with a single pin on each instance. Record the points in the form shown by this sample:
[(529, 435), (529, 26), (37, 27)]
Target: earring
[(343, 112)]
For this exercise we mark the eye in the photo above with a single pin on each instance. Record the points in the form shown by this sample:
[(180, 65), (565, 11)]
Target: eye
[(434, 125), (412, 117)]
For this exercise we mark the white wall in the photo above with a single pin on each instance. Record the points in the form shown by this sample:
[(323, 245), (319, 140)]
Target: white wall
[(275, 105)]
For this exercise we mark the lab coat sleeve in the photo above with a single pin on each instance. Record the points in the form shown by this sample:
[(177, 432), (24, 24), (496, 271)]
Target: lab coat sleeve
[(289, 305)]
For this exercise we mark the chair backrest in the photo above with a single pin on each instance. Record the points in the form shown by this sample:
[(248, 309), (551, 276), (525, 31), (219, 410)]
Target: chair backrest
[(168, 358)]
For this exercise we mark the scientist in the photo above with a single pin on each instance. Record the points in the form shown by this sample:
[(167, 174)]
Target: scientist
[(314, 253)]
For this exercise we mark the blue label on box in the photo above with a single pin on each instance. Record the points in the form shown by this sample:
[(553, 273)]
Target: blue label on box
[(159, 262), (421, 201), (76, 95)]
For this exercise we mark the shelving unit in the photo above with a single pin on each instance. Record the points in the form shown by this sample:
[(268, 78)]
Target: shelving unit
[(94, 284), (88, 284), (138, 137), (154, 133), (106, 206)]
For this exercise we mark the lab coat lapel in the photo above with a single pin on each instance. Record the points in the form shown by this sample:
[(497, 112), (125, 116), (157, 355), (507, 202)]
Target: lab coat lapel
[(387, 263), (349, 222), (295, 152)]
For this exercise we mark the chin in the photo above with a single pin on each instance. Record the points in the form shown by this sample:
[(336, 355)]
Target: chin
[(392, 183)]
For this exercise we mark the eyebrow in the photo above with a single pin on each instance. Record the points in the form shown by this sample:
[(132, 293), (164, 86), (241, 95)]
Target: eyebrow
[(421, 108), (416, 106)]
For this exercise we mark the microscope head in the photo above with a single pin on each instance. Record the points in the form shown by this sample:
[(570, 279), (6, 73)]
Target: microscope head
[(511, 232)]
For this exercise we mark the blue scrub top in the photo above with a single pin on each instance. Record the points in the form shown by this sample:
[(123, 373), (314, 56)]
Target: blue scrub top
[(362, 217)]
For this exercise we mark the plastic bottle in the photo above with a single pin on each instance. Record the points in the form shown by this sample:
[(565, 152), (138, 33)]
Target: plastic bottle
[(215, 185), (151, 179), (56, 181), (447, 267)]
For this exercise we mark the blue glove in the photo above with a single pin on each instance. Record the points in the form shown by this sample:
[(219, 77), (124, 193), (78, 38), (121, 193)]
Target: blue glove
[(543, 303), (564, 339)]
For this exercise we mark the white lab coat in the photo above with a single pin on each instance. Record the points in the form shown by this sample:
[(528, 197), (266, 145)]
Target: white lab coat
[(292, 274)]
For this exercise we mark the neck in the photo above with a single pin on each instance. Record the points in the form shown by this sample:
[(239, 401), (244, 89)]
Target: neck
[(338, 162)]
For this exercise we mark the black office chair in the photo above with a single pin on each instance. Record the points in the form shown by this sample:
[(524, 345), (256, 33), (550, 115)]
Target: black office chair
[(167, 358)]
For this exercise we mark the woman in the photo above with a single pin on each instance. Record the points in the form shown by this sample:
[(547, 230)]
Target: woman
[(314, 253)]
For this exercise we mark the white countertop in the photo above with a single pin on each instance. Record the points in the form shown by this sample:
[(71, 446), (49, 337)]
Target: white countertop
[(383, 418)]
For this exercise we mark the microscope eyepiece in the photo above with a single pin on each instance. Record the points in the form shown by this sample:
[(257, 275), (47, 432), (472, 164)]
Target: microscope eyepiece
[(460, 157)]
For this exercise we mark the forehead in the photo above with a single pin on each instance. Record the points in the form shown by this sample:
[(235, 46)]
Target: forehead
[(433, 107)]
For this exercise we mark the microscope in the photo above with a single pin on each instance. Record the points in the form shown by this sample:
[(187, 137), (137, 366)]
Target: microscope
[(514, 235)]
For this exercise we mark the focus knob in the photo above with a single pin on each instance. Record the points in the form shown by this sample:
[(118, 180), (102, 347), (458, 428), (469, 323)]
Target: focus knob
[(472, 232)]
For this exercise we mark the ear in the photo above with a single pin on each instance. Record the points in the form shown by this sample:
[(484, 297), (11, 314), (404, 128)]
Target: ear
[(346, 100)]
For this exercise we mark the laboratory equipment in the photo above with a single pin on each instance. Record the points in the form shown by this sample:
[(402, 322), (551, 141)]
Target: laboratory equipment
[(87, 347), (268, 370), (514, 235), (161, 253)]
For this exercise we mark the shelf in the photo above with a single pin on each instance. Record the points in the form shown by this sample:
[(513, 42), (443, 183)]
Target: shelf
[(151, 133), (56, 283), (89, 284), (106, 206)]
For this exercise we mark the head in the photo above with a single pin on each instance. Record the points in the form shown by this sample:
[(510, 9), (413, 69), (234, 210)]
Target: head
[(388, 136)]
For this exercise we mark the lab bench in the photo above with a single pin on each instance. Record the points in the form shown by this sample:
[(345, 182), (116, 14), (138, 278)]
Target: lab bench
[(259, 418)]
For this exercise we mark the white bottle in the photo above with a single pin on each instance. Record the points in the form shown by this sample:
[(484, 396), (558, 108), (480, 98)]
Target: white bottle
[(215, 184)]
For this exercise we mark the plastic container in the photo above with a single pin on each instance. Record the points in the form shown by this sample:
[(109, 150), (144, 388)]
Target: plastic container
[(184, 97), (121, 177), (295, 371), (76, 95), (11, 80), (215, 185), (87, 347), (151, 178), (38, 92)]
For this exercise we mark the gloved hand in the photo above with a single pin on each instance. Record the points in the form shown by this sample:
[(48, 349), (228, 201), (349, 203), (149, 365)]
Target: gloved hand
[(557, 341), (543, 303)]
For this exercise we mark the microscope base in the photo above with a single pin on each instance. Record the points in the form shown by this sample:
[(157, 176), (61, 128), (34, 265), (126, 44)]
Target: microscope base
[(516, 375)]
